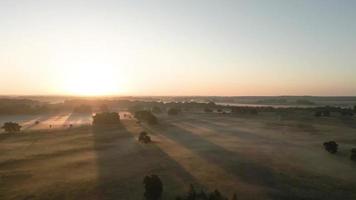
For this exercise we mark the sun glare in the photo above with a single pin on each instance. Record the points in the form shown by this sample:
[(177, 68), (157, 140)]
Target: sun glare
[(91, 80)]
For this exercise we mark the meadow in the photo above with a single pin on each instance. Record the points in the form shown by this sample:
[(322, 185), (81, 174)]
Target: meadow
[(265, 156)]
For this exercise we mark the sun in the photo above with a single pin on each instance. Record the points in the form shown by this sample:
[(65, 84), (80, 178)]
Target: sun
[(91, 80)]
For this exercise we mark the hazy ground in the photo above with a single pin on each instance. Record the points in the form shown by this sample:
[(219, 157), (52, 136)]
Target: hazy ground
[(259, 157)]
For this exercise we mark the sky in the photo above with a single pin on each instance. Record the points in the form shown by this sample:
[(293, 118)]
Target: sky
[(182, 47)]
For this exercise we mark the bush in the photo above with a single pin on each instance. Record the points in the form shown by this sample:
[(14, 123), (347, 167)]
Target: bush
[(11, 127), (144, 138), (173, 111), (153, 187), (106, 118), (331, 146), (146, 116)]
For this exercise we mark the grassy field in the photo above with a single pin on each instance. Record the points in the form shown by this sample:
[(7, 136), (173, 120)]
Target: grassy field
[(267, 156)]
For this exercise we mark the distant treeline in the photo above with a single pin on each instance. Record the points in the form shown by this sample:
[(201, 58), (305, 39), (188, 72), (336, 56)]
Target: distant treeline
[(25, 106)]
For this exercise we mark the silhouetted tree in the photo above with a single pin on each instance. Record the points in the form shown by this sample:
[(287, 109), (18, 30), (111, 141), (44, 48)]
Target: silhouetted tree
[(144, 138), (331, 146), (106, 118), (11, 127), (153, 187)]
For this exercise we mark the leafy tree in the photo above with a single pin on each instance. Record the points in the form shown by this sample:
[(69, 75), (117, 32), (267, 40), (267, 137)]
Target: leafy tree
[(144, 138), (331, 146), (11, 127), (153, 187), (106, 118)]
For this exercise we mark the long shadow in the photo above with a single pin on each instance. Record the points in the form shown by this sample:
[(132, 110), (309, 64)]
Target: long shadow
[(284, 186), (76, 119), (122, 163), (41, 119)]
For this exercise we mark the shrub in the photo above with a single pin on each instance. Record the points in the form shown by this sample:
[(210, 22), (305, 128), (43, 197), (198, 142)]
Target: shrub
[(11, 127), (331, 146), (153, 187), (144, 138), (146, 116), (106, 118)]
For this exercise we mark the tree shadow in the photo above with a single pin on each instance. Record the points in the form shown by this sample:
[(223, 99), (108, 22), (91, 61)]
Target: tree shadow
[(123, 162), (281, 185), (77, 119)]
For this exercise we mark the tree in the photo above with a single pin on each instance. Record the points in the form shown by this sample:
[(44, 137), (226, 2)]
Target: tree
[(11, 127), (106, 118), (331, 146), (144, 138), (153, 187)]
